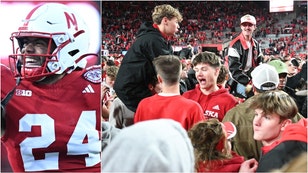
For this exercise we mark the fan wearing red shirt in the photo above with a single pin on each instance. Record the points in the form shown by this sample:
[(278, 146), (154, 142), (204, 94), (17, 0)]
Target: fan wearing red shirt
[(214, 99), (169, 103)]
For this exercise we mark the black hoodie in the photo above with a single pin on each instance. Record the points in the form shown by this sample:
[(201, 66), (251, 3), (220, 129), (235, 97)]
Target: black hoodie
[(137, 72)]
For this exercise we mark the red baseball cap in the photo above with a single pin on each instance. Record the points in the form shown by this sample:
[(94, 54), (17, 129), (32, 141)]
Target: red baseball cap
[(230, 129)]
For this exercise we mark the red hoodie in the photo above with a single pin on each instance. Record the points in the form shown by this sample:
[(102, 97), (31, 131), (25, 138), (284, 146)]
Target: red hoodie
[(228, 165), (214, 105), (293, 132)]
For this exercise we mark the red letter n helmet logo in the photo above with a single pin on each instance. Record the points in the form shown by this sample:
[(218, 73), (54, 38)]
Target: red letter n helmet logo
[(71, 21)]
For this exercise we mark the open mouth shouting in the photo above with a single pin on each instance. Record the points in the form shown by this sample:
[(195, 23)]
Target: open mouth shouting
[(202, 81)]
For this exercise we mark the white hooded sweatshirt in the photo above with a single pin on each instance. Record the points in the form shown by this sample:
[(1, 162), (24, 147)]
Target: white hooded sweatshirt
[(150, 146)]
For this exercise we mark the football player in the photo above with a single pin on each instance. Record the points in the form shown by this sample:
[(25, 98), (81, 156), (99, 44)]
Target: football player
[(53, 114)]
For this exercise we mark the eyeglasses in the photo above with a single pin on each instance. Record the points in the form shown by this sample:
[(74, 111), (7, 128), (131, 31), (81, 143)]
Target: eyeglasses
[(247, 24)]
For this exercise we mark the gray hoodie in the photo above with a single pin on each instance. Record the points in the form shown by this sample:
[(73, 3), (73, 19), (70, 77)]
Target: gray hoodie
[(150, 146)]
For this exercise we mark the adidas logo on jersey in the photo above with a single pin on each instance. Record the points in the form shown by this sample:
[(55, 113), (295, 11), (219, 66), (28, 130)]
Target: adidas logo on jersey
[(216, 107), (88, 89)]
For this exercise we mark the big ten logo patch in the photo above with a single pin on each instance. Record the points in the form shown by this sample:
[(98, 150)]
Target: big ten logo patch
[(26, 93)]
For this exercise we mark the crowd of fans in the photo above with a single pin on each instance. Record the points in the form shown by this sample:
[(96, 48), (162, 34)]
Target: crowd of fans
[(211, 22), (265, 137), (120, 26)]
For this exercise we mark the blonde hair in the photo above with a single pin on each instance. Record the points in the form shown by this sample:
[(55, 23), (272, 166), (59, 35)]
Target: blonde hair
[(275, 102), (165, 10), (205, 136)]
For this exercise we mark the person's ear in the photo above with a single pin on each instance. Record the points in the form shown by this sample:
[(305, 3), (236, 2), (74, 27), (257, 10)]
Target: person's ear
[(285, 123), (217, 70), (159, 79), (165, 20), (254, 90)]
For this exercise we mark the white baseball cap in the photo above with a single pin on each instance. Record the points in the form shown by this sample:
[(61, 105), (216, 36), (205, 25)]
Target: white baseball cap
[(248, 18), (263, 74)]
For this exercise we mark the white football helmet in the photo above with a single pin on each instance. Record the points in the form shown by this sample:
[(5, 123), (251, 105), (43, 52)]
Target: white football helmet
[(65, 30)]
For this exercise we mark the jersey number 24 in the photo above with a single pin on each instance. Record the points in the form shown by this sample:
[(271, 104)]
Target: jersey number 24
[(75, 146)]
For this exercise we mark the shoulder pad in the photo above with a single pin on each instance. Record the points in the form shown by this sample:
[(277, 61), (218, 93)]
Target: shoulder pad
[(93, 74)]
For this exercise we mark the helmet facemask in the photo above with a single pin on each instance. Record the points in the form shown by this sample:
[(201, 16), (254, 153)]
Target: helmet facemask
[(32, 66)]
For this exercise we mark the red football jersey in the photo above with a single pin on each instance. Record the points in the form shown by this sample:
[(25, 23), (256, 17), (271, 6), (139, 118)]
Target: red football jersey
[(54, 127)]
